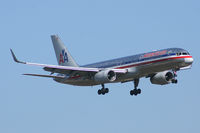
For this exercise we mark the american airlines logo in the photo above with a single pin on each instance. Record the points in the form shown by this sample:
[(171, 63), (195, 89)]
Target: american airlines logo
[(63, 57), (155, 54)]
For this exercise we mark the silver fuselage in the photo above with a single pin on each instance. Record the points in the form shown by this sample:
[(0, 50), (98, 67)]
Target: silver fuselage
[(138, 66)]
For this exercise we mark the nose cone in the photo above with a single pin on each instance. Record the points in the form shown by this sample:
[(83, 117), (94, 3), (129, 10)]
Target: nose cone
[(189, 60)]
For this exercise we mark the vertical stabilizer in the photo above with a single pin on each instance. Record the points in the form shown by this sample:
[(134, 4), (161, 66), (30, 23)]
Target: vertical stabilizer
[(62, 54)]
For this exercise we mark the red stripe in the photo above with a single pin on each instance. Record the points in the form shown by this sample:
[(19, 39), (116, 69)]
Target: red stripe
[(74, 77), (144, 63)]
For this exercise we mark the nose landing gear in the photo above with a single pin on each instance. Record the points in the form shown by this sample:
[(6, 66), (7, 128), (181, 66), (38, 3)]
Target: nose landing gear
[(174, 80)]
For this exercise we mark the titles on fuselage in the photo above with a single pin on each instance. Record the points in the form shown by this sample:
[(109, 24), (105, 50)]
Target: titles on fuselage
[(154, 54)]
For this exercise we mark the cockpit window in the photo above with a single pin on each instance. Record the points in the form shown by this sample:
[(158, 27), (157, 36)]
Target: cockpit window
[(183, 53)]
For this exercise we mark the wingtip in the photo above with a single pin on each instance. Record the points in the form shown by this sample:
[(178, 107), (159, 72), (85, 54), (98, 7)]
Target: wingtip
[(13, 55), (15, 58)]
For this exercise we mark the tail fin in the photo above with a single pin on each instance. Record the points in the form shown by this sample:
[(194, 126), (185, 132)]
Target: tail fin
[(63, 56)]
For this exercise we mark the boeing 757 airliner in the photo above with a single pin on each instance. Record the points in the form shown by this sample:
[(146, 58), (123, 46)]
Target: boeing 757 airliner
[(160, 66)]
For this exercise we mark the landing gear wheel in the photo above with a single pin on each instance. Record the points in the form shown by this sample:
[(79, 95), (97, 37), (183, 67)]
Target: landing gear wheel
[(139, 91), (103, 92), (106, 90), (99, 92), (174, 81), (131, 92), (134, 92)]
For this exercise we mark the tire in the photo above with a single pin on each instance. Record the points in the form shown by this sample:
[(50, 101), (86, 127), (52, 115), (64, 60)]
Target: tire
[(106, 90), (131, 92), (99, 92), (103, 91), (135, 92), (139, 91)]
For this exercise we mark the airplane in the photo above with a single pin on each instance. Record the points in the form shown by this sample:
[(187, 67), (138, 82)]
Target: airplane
[(160, 66)]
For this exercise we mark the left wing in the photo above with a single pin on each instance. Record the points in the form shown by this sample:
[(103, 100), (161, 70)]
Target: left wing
[(65, 69)]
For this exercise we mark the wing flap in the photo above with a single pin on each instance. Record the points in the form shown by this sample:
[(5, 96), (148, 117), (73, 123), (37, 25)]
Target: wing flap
[(47, 76)]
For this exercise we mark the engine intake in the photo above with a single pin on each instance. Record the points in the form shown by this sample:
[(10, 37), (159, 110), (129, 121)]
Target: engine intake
[(162, 78), (105, 76)]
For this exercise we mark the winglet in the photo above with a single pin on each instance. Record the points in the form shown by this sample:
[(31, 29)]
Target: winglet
[(15, 59)]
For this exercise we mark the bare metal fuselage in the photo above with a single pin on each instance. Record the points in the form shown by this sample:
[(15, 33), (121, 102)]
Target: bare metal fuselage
[(135, 70)]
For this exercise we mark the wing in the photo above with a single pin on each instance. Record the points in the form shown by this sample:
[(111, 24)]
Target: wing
[(65, 69)]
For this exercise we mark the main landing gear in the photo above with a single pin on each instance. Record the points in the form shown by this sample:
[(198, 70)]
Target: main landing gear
[(103, 91), (135, 91)]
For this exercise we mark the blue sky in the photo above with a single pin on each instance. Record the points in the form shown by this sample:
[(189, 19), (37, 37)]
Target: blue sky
[(95, 31)]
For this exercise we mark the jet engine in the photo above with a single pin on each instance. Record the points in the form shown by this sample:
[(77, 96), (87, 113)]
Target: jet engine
[(162, 78), (105, 76)]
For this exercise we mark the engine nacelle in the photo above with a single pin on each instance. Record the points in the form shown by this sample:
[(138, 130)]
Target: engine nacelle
[(105, 76), (162, 78)]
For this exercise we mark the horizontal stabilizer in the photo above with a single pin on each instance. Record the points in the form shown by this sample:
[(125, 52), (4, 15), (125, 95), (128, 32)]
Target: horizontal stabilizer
[(47, 76)]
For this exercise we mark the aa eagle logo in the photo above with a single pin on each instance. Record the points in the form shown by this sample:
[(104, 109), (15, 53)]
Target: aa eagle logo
[(63, 57)]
